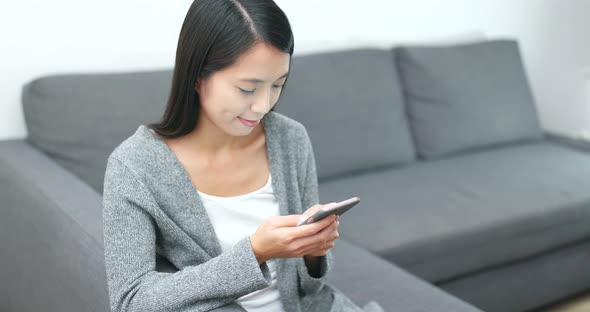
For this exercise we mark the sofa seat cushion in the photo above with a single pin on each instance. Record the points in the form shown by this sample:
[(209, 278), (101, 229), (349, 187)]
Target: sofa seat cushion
[(441, 219), (365, 277), (352, 106), (466, 96)]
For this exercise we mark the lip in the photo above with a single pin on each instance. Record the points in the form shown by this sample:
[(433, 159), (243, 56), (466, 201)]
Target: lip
[(249, 123)]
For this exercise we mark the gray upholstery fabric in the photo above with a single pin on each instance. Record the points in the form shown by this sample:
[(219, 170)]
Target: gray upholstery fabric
[(445, 218), (351, 104), (52, 254), (78, 119), (530, 283), (50, 236), (485, 226), (567, 141), (356, 271), (466, 96)]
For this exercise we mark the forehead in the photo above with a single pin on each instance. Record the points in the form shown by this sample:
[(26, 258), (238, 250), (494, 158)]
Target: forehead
[(262, 61)]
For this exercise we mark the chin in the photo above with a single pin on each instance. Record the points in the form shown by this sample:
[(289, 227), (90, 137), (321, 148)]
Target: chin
[(244, 131)]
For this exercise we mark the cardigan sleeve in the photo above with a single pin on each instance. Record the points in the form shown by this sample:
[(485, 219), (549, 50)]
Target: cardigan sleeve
[(310, 197), (129, 232)]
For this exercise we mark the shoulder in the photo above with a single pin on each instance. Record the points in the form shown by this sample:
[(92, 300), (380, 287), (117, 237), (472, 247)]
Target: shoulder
[(287, 128), (292, 141), (138, 151)]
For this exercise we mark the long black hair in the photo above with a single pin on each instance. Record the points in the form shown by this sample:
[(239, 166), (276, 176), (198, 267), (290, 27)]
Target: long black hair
[(213, 35)]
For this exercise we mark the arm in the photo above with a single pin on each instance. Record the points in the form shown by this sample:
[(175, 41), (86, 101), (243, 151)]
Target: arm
[(130, 257), (312, 270)]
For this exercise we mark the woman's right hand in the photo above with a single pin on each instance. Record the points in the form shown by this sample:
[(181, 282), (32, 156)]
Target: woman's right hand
[(280, 237)]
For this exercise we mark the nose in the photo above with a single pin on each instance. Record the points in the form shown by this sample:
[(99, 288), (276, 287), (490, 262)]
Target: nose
[(262, 103)]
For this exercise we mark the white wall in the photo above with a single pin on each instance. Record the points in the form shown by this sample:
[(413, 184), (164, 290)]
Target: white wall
[(46, 37)]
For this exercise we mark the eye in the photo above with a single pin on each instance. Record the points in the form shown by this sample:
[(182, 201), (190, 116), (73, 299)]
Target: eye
[(247, 91), (277, 86)]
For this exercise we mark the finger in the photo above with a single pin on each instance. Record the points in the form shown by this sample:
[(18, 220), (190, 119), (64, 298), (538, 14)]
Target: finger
[(310, 244), (318, 241), (329, 245), (315, 227), (313, 209), (330, 233), (318, 253), (317, 249), (284, 221)]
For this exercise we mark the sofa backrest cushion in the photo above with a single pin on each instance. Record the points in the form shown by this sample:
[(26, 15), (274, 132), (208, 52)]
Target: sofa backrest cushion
[(466, 96), (351, 105), (78, 119)]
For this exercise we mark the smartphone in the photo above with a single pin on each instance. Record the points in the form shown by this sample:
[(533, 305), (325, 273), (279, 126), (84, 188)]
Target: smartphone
[(338, 209)]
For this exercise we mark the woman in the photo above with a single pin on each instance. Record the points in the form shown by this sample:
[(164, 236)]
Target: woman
[(218, 186)]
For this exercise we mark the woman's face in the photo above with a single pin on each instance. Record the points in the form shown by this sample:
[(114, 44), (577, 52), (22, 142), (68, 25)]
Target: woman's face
[(248, 89)]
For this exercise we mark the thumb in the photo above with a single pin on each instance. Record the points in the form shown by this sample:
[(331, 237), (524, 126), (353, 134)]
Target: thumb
[(301, 218), (315, 208), (283, 221)]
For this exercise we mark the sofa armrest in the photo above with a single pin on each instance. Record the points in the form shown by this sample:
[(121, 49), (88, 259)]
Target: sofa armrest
[(568, 141), (50, 233), (364, 277)]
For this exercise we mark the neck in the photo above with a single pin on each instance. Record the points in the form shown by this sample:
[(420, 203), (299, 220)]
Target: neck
[(213, 141)]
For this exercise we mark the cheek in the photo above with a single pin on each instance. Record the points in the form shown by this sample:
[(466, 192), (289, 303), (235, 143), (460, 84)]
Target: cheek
[(276, 96), (225, 100)]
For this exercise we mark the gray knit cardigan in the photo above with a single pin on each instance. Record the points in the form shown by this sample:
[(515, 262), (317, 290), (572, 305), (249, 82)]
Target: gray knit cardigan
[(151, 207)]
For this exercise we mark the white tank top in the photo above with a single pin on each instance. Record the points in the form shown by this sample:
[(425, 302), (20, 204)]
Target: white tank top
[(236, 217)]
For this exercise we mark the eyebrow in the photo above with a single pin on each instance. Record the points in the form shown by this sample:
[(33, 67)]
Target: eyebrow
[(254, 80)]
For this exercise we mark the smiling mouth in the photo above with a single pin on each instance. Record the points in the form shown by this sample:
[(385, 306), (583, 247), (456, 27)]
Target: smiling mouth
[(247, 122)]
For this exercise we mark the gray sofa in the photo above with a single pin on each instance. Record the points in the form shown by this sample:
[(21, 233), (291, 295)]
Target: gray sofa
[(466, 204)]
